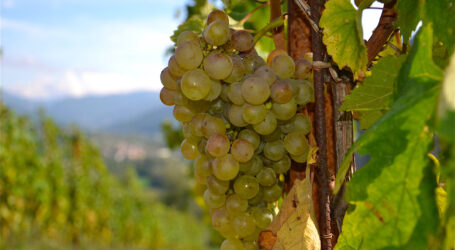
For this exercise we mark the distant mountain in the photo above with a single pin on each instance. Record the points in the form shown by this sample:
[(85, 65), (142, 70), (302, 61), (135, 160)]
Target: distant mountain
[(100, 112)]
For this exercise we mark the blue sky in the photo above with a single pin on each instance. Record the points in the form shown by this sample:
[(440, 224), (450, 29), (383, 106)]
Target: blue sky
[(55, 48)]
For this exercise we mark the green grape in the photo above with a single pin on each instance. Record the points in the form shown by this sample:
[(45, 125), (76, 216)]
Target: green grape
[(218, 145), (218, 65), (174, 68), (275, 135), (251, 136), (252, 62), (189, 55), (167, 96), (195, 84), (283, 66), (267, 126), (225, 168), (235, 204), (244, 224), (215, 90), (214, 200), (282, 166), (196, 124), (232, 244), (217, 106), (274, 150), (266, 177), (222, 222), (305, 93), (202, 145), (242, 40), (217, 33), (186, 36), (213, 125), (258, 198), (253, 236), (180, 98), (303, 69), (246, 186), (262, 216), (302, 123), (296, 143), (260, 148), (217, 186), (198, 106), (234, 92), (285, 111), (251, 245), (266, 161), (224, 93), (254, 114), (242, 150), (189, 149), (245, 166), (186, 128), (255, 91), (182, 113), (281, 92), (168, 80), (272, 193), (202, 166), (300, 158), (256, 166), (235, 116), (266, 74), (217, 15), (237, 70)]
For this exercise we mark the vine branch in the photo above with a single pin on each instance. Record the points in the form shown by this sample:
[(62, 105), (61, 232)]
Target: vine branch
[(278, 32)]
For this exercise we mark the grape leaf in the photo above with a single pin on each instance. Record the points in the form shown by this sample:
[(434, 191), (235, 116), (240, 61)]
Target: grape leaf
[(408, 16), (375, 96), (343, 35), (391, 195), (193, 23)]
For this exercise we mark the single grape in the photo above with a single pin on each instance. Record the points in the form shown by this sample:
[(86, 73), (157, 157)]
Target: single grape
[(242, 150), (303, 69), (262, 216), (281, 92), (237, 70), (188, 134), (186, 36), (202, 166), (217, 33), (217, 15), (202, 145), (198, 106), (195, 84), (260, 148), (300, 158), (189, 149), (174, 68), (244, 224), (213, 125), (251, 136), (283, 66), (296, 143), (275, 53), (224, 93), (285, 111), (266, 177), (267, 126), (180, 98), (282, 166), (218, 145), (189, 55), (167, 96), (302, 123), (272, 193), (235, 204), (217, 186), (275, 135), (245, 166), (255, 91), (215, 90), (252, 62), (254, 114), (222, 222), (242, 40), (232, 244), (256, 166), (218, 65), (182, 113), (168, 80), (246, 186), (305, 93), (266, 73), (251, 245), (235, 116), (225, 168), (234, 92), (274, 150), (216, 107), (214, 200), (196, 124), (258, 198)]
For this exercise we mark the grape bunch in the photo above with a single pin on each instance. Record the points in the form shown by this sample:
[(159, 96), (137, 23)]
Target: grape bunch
[(240, 122)]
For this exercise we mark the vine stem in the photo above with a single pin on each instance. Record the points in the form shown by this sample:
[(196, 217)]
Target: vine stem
[(278, 32), (319, 54)]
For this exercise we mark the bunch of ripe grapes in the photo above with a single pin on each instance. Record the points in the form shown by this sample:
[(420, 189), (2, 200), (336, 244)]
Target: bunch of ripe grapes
[(240, 123)]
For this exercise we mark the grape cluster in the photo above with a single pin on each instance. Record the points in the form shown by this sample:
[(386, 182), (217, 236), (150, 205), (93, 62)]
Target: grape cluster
[(240, 123)]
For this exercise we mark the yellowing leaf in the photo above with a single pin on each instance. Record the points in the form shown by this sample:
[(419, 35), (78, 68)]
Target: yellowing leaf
[(343, 35)]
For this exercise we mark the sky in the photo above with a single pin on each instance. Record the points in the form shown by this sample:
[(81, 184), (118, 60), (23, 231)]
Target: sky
[(57, 48)]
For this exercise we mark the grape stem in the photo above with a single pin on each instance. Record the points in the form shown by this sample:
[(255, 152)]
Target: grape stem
[(276, 23)]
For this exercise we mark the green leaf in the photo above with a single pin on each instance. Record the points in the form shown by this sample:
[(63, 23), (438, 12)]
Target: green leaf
[(375, 95), (343, 36), (387, 191), (194, 24), (409, 15)]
